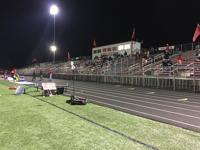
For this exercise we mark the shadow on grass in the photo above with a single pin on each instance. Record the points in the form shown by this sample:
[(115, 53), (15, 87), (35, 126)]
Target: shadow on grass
[(96, 123)]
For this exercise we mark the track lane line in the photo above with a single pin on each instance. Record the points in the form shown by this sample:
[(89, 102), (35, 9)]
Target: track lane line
[(146, 95), (132, 99), (156, 116), (110, 99)]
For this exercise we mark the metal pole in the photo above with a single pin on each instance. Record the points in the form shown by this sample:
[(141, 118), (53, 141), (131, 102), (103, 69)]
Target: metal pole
[(54, 35), (73, 84), (143, 82), (54, 57), (127, 58), (131, 48), (174, 81), (121, 65), (115, 68), (192, 46), (194, 88), (54, 30)]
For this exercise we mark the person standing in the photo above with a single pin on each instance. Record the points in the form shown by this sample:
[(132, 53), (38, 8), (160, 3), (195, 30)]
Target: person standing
[(179, 59), (41, 75), (5, 75), (34, 76)]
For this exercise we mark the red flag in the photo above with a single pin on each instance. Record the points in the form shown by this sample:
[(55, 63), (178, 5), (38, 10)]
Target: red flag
[(94, 44), (133, 35), (196, 33), (68, 56)]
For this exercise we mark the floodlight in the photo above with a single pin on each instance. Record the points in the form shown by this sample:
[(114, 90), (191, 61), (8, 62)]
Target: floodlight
[(54, 10), (53, 48)]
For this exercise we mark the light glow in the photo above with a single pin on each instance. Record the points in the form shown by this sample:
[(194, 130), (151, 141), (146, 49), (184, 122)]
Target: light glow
[(54, 10), (53, 48)]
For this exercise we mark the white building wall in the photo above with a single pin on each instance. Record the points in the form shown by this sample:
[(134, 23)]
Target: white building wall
[(119, 48)]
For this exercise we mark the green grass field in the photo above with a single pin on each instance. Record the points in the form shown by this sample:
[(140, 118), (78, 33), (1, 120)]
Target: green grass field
[(31, 122)]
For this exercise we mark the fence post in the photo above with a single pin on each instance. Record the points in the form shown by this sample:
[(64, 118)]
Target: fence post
[(115, 68), (121, 66), (127, 58), (194, 78), (143, 82), (192, 46), (174, 83)]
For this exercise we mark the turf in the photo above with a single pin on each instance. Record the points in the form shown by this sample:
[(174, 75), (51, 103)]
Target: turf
[(30, 122)]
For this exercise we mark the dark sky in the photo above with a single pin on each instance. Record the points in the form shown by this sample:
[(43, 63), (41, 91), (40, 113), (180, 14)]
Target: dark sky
[(26, 28)]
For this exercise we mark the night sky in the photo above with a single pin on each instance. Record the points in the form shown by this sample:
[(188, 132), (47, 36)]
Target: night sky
[(26, 28)]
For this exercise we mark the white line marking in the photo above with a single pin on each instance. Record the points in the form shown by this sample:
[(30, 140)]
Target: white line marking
[(143, 106), (151, 92), (142, 92), (183, 99), (125, 94), (149, 114), (131, 88), (131, 99)]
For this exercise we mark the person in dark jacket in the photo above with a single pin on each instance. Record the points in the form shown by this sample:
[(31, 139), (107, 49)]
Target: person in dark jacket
[(34, 76)]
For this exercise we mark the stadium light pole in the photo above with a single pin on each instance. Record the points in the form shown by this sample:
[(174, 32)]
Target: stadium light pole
[(53, 48), (54, 10)]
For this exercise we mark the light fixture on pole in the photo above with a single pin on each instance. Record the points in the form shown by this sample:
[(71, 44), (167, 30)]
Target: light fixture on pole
[(54, 11), (53, 48)]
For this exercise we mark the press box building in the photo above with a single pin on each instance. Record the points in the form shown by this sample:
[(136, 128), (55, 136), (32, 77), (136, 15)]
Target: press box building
[(130, 47)]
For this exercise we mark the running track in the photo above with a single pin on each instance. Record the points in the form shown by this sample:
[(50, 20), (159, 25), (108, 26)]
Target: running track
[(181, 109)]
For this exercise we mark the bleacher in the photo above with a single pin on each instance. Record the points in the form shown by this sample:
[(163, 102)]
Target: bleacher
[(127, 66)]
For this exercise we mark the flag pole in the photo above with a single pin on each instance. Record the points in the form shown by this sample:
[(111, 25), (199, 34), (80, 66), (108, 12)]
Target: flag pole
[(192, 46), (132, 38)]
